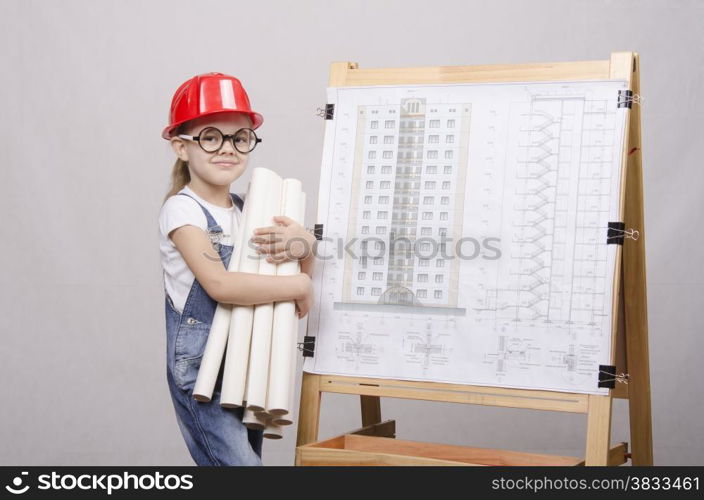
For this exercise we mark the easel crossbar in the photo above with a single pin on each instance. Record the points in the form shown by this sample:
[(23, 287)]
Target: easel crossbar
[(457, 393)]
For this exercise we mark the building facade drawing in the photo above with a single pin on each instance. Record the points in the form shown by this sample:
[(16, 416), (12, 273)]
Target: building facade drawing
[(407, 203)]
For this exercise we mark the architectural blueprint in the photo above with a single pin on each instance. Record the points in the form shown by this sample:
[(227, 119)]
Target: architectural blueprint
[(465, 233)]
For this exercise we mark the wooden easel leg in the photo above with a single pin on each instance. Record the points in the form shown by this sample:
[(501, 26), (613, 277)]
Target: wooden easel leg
[(371, 410), (640, 420), (598, 430), (309, 409), (636, 311)]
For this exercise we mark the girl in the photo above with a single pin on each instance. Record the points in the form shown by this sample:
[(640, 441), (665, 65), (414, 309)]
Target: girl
[(211, 130)]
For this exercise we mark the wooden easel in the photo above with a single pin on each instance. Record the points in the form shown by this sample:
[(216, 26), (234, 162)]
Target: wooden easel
[(630, 342)]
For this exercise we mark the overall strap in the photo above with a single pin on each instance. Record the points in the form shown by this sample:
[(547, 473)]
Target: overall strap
[(237, 200), (211, 220)]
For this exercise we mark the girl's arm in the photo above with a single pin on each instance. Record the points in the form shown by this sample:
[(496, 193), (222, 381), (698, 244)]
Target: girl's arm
[(307, 264), (236, 287)]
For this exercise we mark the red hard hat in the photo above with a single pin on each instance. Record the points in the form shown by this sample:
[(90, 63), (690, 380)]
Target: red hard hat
[(208, 94)]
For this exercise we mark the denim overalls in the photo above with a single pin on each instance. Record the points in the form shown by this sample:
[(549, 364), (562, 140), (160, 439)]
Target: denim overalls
[(214, 435)]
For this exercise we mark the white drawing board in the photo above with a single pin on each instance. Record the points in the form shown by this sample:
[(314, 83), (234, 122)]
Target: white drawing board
[(465, 233)]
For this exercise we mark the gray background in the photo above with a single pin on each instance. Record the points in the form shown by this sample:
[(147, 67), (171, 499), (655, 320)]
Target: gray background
[(86, 87)]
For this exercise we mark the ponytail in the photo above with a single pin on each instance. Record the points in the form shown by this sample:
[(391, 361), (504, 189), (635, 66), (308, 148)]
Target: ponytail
[(180, 175)]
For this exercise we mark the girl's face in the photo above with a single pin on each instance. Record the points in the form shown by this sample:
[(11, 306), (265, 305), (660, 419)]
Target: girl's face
[(222, 167)]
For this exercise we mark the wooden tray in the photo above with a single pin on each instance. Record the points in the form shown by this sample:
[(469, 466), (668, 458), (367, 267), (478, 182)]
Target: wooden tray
[(354, 449)]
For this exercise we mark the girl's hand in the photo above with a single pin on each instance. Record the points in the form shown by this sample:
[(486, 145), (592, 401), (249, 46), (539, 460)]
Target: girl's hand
[(284, 242)]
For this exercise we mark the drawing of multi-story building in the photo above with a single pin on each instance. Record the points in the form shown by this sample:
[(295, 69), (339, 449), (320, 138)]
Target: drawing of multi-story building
[(407, 204), (558, 262)]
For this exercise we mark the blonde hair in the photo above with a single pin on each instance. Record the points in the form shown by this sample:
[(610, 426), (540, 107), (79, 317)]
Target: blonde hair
[(180, 175)]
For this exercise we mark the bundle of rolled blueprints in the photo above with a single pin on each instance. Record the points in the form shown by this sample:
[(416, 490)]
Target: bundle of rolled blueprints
[(258, 342)]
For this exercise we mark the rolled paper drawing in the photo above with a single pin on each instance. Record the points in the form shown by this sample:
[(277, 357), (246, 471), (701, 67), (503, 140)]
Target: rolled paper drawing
[(263, 181), (285, 324), (287, 418), (283, 420), (251, 421), (273, 431), (264, 415), (260, 348)]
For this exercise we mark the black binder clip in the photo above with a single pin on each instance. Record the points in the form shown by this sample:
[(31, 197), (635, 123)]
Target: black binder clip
[(626, 98), (328, 112), (316, 231), (307, 346), (608, 376), (617, 232)]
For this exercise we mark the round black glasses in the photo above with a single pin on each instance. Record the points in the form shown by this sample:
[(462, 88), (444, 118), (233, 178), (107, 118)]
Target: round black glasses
[(211, 139)]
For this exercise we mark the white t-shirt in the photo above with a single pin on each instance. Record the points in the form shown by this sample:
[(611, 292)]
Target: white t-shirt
[(177, 211)]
